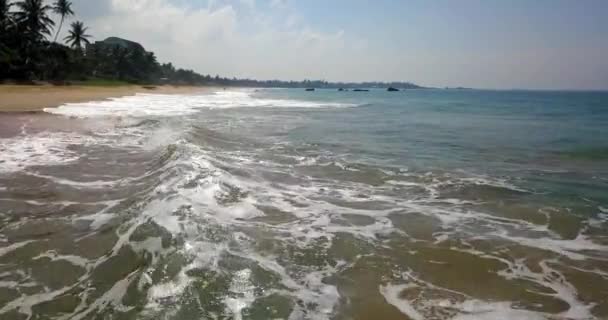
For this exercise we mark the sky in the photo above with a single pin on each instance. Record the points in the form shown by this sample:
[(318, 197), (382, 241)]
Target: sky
[(502, 44)]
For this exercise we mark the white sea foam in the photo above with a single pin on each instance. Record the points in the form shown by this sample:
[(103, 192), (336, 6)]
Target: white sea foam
[(480, 310), (13, 247), (201, 193), (242, 293), (49, 148), (488, 181), (154, 105), (573, 249), (470, 309), (54, 256), (112, 298), (97, 184), (140, 105), (245, 99), (97, 220), (458, 306), (391, 295), (197, 192), (170, 289), (551, 278), (46, 148)]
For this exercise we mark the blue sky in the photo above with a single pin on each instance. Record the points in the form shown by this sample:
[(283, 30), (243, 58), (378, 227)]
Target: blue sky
[(543, 44)]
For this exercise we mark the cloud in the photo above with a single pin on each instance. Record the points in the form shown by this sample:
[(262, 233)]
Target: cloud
[(249, 3), (230, 38), (271, 39), (278, 3)]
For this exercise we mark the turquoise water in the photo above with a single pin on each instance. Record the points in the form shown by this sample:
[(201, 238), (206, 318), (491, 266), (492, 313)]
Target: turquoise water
[(287, 204), (536, 137)]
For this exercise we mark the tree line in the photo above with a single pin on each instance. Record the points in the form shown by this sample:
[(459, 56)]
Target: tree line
[(27, 54)]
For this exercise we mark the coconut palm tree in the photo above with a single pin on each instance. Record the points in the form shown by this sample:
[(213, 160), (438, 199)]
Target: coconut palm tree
[(33, 17), (77, 35), (63, 8), (5, 15)]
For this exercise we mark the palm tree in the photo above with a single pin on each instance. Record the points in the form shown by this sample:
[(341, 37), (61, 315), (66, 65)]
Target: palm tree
[(63, 8), (77, 35), (5, 15), (33, 17)]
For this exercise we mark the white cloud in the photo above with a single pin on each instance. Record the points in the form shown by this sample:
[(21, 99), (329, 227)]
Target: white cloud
[(249, 3), (227, 38), (278, 3), (272, 40)]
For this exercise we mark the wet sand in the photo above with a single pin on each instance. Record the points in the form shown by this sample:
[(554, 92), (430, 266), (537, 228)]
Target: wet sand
[(25, 98)]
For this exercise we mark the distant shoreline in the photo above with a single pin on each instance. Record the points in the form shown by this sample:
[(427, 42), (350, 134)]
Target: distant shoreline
[(31, 98)]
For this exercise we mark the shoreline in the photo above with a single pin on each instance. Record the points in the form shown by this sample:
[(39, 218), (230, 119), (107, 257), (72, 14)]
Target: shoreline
[(32, 98)]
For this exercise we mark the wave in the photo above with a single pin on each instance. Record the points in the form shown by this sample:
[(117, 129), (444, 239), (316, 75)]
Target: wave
[(202, 220), (45, 148), (586, 154), (155, 105)]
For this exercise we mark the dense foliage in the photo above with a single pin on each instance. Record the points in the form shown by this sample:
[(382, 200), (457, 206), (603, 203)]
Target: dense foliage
[(27, 54)]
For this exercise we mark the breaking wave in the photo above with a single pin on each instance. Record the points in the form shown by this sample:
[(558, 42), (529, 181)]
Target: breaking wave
[(198, 222)]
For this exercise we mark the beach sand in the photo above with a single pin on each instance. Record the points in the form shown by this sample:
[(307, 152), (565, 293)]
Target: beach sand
[(25, 98)]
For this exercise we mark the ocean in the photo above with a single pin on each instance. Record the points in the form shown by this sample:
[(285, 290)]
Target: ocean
[(288, 204)]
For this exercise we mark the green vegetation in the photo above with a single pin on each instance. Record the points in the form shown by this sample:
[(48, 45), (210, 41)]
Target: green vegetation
[(64, 9), (26, 55), (78, 36)]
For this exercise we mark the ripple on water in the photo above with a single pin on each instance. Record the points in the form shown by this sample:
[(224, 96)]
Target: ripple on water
[(155, 218)]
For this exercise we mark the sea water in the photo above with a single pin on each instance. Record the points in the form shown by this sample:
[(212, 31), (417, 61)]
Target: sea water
[(287, 204)]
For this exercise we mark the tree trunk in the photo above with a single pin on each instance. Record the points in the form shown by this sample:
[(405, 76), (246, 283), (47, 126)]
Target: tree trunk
[(59, 29)]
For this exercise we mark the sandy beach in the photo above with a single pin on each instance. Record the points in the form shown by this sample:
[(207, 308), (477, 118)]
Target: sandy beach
[(25, 98)]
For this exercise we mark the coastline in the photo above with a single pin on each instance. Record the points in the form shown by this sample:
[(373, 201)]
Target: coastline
[(31, 98)]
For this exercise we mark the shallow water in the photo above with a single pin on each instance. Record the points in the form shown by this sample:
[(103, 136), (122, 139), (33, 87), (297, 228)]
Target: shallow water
[(285, 204)]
